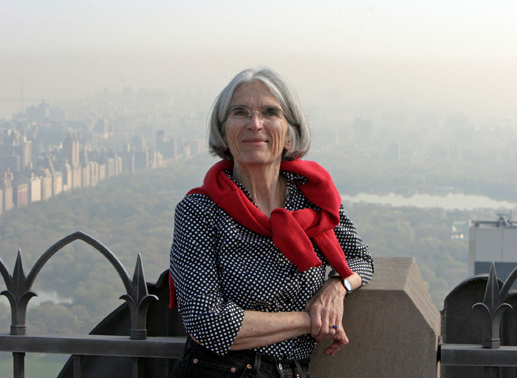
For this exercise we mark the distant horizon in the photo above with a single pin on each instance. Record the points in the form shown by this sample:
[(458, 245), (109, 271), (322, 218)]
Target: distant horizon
[(450, 201), (439, 56), (422, 85)]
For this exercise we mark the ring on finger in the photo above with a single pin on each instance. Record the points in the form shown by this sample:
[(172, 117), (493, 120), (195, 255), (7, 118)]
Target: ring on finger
[(333, 326)]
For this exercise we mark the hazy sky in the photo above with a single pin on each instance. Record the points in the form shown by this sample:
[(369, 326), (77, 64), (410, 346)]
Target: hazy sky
[(448, 56)]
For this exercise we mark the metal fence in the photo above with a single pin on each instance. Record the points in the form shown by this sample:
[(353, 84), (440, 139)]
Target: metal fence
[(489, 355), (137, 345)]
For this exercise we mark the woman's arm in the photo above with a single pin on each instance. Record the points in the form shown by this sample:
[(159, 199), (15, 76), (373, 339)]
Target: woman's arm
[(323, 310), (211, 320), (265, 328), (326, 307), (357, 253), (207, 316)]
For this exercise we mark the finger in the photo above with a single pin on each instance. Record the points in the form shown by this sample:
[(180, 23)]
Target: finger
[(328, 328), (332, 349), (327, 331), (333, 324), (332, 352), (337, 344), (322, 315), (341, 338)]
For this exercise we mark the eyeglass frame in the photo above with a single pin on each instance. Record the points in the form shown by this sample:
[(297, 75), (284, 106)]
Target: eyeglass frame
[(250, 113)]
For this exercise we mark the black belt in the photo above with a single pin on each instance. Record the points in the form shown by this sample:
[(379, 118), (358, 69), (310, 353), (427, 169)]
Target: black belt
[(257, 361)]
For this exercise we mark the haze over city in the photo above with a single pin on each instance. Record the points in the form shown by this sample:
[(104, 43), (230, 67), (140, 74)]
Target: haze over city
[(443, 57), (103, 109)]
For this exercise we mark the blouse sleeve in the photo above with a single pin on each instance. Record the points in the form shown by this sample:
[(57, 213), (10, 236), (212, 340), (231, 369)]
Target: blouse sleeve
[(356, 252), (209, 317)]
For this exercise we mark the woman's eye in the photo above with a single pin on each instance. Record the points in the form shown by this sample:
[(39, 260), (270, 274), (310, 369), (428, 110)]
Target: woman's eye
[(241, 112), (271, 112)]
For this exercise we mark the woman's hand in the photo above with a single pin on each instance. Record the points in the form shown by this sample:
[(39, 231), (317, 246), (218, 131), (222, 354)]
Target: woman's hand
[(326, 309), (339, 341)]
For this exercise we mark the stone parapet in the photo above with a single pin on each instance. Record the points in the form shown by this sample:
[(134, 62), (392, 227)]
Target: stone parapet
[(393, 327)]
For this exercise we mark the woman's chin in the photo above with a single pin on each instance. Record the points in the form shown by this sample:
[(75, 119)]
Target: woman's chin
[(256, 159)]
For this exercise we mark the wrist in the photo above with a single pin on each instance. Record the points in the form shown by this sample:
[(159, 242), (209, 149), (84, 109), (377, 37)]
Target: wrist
[(337, 283), (345, 284), (306, 322)]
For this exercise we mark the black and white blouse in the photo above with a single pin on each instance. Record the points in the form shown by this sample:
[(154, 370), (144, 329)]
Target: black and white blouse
[(220, 269)]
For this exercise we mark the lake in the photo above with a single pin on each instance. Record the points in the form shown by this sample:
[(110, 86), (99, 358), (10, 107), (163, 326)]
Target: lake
[(450, 201), (43, 296)]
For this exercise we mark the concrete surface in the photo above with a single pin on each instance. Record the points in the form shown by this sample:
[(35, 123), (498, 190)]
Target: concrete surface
[(393, 327)]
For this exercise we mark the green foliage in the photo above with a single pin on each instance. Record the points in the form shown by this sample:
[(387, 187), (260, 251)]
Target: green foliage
[(51, 318), (133, 214), (129, 214), (424, 234)]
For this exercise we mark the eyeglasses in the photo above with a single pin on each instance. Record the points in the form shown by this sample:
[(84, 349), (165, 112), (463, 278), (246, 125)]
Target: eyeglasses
[(267, 114)]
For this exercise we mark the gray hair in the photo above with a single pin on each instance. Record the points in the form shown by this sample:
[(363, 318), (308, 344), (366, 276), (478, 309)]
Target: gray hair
[(299, 130)]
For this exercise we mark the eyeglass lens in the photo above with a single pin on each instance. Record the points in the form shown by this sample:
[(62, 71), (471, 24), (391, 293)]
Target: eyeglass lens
[(267, 113)]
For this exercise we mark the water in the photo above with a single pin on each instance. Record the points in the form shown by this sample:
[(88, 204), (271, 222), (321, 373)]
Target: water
[(43, 296), (450, 201)]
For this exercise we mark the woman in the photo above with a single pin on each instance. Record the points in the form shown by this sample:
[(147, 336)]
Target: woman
[(251, 246)]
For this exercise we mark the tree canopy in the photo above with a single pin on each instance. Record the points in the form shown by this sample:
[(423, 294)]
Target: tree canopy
[(133, 214)]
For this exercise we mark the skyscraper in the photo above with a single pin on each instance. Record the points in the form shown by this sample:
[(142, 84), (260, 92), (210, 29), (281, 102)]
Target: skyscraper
[(493, 241)]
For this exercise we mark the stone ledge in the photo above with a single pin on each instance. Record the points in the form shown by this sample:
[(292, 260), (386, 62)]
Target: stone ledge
[(393, 327)]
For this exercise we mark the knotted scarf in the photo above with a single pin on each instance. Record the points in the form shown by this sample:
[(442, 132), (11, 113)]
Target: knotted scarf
[(291, 231)]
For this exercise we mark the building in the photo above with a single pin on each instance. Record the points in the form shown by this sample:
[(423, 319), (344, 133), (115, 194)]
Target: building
[(7, 190), (21, 194), (34, 189), (493, 241), (46, 185), (71, 149)]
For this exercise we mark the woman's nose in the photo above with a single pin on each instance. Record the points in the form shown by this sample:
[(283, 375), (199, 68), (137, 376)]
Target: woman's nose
[(255, 122)]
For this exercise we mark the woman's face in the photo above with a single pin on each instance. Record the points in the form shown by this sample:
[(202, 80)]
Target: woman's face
[(256, 140)]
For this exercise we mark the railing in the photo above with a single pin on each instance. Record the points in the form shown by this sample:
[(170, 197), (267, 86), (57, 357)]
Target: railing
[(392, 324), (490, 355), (138, 345)]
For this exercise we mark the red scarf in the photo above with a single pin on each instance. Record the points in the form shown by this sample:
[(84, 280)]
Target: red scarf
[(292, 231)]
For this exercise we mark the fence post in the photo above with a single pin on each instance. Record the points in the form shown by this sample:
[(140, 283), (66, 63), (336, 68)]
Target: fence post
[(19, 365), (77, 368), (138, 367)]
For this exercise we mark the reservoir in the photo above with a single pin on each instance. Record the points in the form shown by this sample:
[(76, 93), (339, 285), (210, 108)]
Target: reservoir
[(451, 201), (43, 296)]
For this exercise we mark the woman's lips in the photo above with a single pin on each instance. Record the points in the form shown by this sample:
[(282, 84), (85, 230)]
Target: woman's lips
[(255, 142)]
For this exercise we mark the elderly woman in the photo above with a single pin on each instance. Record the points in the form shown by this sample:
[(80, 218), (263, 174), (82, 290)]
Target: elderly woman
[(251, 246)]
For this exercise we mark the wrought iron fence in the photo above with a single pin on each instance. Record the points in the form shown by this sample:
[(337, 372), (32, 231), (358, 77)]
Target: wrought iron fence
[(138, 345), (490, 355)]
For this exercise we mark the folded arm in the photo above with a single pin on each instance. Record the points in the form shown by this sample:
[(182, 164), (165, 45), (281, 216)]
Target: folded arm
[(265, 328)]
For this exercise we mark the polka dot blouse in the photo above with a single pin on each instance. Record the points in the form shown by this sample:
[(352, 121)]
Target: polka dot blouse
[(220, 269)]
